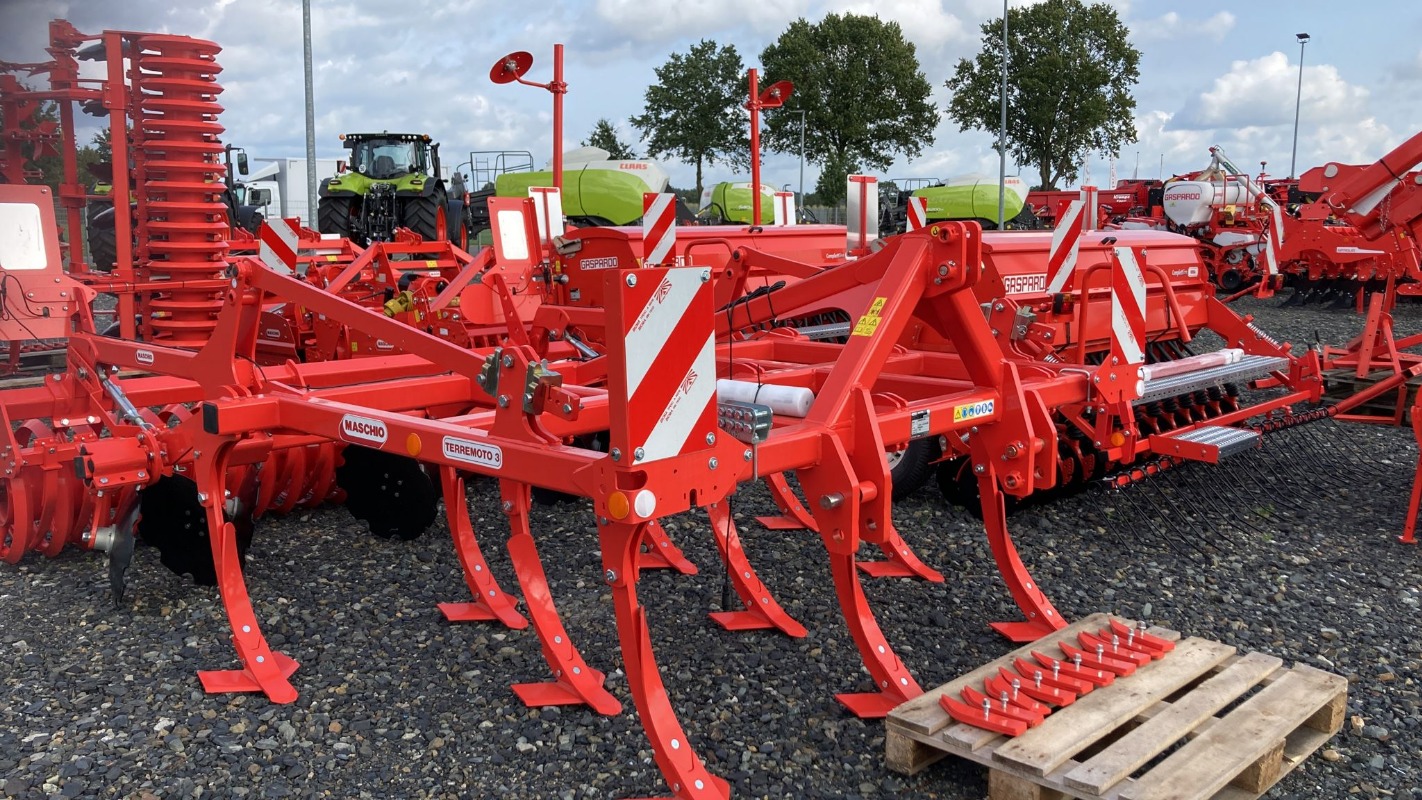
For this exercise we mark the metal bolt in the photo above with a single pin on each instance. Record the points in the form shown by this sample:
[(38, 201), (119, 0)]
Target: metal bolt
[(567, 408), (713, 463), (611, 574), (710, 438), (973, 430), (943, 270), (831, 501), (639, 454), (1003, 696), (202, 497), (979, 469), (508, 505), (705, 276), (746, 455), (106, 480), (508, 361), (1016, 687), (631, 280), (503, 401), (998, 306), (616, 454), (994, 332)]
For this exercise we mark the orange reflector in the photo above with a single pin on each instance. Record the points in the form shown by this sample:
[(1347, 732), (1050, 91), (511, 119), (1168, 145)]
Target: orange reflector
[(618, 506), (413, 445), (1118, 439)]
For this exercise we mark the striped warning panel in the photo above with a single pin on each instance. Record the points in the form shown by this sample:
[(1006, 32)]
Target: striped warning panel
[(1090, 197), (917, 214), (658, 228), (1066, 245), (664, 364), (784, 208), (1128, 295), (548, 205), (278, 241), (1273, 240)]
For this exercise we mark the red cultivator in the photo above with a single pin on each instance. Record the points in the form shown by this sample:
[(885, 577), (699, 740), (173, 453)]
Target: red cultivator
[(743, 362)]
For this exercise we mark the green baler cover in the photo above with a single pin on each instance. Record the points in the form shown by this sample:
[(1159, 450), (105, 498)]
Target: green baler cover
[(968, 201), (613, 196), (734, 200)]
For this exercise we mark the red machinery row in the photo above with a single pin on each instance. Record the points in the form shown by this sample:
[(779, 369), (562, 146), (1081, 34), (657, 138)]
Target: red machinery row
[(1018, 364)]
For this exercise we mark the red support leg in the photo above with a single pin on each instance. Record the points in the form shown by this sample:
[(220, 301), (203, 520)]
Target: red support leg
[(1042, 617), (574, 682), (658, 551), (902, 561), (1409, 531), (895, 684), (678, 762), (263, 669), (793, 514), (490, 602), (761, 609)]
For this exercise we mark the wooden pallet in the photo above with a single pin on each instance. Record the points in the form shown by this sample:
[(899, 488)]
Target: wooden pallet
[(1343, 383), (1119, 742)]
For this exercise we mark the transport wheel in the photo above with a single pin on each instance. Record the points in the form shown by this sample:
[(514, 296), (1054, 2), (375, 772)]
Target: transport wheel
[(910, 468), (428, 216), (172, 520), (393, 494), (333, 215)]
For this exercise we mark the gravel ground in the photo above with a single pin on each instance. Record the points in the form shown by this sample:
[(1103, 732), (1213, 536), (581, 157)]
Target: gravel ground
[(97, 702)]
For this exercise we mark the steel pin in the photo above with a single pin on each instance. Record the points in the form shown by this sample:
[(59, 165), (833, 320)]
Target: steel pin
[(987, 708), (1016, 686), (1037, 676), (1100, 651), (1076, 660), (1056, 668), (1115, 643), (1004, 700)]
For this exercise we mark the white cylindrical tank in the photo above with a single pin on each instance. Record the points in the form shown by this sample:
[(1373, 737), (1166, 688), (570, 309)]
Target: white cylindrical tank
[(1191, 202)]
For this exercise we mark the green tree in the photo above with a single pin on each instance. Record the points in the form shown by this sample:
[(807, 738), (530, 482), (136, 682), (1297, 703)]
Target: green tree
[(864, 99), (1070, 73), (695, 112), (605, 136)]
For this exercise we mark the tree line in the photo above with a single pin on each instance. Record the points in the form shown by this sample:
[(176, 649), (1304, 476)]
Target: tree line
[(861, 98)]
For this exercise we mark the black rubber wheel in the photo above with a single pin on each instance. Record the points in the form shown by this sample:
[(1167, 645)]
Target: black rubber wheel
[(428, 216), (393, 494), (333, 215), (458, 230), (172, 520), (103, 240), (911, 467), (959, 487), (1231, 280)]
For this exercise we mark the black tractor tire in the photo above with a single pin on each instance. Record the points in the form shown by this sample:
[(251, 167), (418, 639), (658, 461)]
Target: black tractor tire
[(333, 215), (458, 226), (427, 215), (910, 468), (1230, 279), (103, 240)]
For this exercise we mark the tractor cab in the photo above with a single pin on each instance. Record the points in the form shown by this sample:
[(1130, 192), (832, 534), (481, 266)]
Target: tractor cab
[(385, 157)]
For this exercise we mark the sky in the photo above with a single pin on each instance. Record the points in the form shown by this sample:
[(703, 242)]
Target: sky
[(1211, 73)]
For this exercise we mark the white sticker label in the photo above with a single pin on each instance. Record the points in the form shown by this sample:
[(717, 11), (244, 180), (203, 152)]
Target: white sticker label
[(272, 333), (471, 452), (1025, 284), (381, 344), (143, 356), (983, 408), (363, 429), (918, 424)]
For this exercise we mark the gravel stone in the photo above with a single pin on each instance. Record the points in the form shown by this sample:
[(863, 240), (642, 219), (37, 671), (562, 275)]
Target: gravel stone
[(1295, 557)]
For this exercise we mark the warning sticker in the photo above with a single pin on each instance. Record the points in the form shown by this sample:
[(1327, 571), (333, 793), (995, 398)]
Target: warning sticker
[(869, 323), (973, 411), (918, 424)]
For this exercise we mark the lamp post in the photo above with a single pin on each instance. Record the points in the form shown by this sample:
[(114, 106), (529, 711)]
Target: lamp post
[(1002, 132), (1303, 40), (802, 153)]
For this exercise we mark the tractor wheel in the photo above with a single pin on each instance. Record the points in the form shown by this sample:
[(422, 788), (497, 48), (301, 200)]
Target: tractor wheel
[(392, 493), (458, 230), (910, 468), (103, 240), (172, 520), (333, 215), (428, 216), (1230, 279)]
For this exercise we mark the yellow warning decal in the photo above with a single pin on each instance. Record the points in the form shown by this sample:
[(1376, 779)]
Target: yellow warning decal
[(432, 263), (973, 411), (869, 323)]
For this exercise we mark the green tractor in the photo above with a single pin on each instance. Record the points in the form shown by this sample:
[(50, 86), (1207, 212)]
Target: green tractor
[(393, 181)]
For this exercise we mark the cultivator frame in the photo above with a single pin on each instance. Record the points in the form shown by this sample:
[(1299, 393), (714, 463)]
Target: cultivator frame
[(507, 364)]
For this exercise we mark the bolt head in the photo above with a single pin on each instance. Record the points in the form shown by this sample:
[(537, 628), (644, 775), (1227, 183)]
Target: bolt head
[(616, 454), (631, 280), (503, 401), (943, 270), (610, 575), (979, 468), (710, 438), (746, 455), (713, 463), (567, 408), (639, 454), (508, 361)]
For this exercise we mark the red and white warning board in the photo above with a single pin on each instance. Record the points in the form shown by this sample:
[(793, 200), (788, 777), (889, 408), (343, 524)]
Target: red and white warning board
[(1066, 244), (658, 229), (1128, 296), (662, 370), (861, 213), (785, 208), (548, 205), (278, 242), (917, 214)]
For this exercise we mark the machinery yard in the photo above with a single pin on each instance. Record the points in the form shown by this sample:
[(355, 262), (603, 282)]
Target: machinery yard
[(493, 485), (396, 702)]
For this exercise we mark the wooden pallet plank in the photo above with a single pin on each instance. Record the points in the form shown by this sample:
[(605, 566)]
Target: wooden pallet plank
[(1303, 698), (1062, 735), (1171, 724)]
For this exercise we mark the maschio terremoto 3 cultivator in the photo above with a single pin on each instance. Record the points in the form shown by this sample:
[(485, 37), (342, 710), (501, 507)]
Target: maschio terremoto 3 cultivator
[(598, 363)]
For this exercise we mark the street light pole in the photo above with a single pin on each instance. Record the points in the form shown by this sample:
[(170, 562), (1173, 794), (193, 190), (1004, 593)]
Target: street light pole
[(802, 156), (1002, 132), (1298, 98)]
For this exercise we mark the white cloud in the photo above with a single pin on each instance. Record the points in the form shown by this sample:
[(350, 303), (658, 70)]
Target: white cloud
[(1262, 91), (669, 22), (1172, 27)]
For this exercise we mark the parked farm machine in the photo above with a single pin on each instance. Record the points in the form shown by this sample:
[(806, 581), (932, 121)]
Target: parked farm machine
[(1029, 363)]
